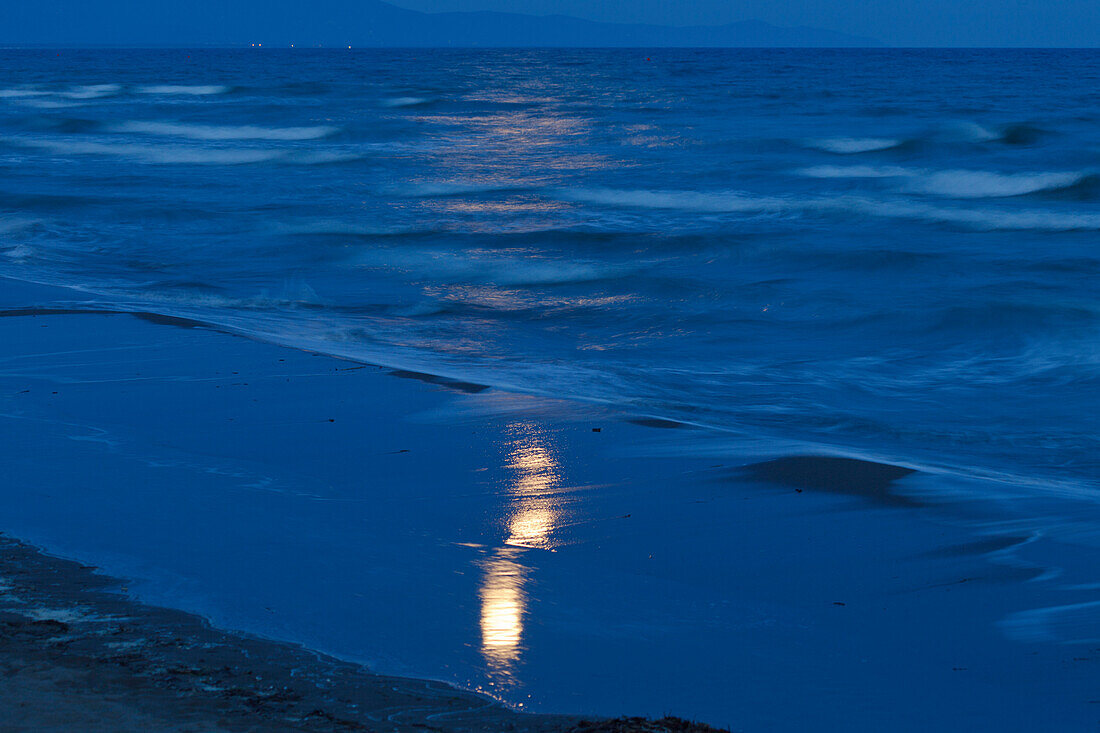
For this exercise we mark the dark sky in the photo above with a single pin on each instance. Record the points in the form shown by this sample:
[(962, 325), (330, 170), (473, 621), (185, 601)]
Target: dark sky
[(896, 22)]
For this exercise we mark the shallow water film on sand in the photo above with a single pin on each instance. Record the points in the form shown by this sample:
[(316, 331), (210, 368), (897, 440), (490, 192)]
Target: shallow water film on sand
[(870, 274)]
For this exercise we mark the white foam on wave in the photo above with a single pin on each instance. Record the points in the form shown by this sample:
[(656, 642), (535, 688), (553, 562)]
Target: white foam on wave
[(984, 184), (22, 93), (478, 267), (855, 171), (956, 183), (19, 253), (962, 131), (84, 91), (225, 132), (183, 154), (709, 202), (199, 90), (733, 202), (970, 132), (987, 218), (322, 157), (39, 103), (853, 145), (92, 91), (405, 102), (155, 153), (534, 272)]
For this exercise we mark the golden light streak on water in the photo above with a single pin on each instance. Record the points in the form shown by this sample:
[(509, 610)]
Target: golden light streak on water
[(503, 604), (530, 518)]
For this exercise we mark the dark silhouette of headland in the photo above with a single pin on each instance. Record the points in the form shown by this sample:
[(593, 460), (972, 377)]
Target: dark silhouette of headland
[(364, 23)]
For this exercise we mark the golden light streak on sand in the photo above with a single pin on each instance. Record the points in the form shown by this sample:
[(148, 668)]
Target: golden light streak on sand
[(535, 473)]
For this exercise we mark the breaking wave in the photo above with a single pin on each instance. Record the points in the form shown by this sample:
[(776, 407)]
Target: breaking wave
[(405, 102), (983, 184), (226, 132), (740, 202), (957, 183), (195, 90), (165, 154), (852, 145)]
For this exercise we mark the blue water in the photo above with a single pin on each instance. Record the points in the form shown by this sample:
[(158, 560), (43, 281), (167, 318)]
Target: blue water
[(883, 254), (888, 253)]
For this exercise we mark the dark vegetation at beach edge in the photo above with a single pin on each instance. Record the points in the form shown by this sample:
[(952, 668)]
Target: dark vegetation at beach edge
[(77, 654)]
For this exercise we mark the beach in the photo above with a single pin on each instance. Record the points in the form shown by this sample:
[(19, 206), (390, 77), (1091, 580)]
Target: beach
[(491, 389), (78, 651), (76, 655), (560, 557)]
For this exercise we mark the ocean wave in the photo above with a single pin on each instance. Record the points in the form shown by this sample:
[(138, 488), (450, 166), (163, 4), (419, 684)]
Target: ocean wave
[(1019, 133), (323, 157), (182, 154), (22, 93), (855, 171), (465, 266), (990, 218), (457, 188), (406, 102), (59, 124), (199, 90), (983, 184), (965, 131), (853, 145), (225, 132), (154, 153), (7, 226), (292, 294), (535, 272), (92, 91), (733, 202), (18, 254), (40, 103), (338, 228), (80, 92), (957, 132), (957, 183), (709, 202)]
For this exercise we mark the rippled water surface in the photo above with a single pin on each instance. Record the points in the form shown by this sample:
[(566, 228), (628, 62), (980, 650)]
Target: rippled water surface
[(882, 252)]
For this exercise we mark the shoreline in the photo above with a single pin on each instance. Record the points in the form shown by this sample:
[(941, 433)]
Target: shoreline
[(141, 666), (397, 520), (77, 654)]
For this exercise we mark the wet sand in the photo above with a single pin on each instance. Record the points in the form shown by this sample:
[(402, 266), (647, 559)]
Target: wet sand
[(77, 655), (558, 556)]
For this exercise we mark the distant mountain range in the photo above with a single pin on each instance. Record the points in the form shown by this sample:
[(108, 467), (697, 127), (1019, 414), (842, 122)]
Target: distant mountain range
[(361, 23)]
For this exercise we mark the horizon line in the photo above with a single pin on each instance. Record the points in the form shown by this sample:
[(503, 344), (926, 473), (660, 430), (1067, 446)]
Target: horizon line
[(456, 47)]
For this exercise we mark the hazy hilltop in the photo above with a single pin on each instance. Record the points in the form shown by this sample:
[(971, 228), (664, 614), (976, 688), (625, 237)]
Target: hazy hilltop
[(362, 23)]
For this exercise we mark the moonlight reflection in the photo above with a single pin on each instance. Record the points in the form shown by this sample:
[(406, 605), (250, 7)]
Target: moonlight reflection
[(532, 511)]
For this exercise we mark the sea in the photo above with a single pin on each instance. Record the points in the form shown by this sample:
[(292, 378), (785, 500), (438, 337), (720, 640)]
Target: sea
[(884, 254)]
